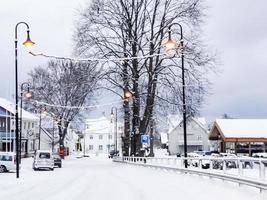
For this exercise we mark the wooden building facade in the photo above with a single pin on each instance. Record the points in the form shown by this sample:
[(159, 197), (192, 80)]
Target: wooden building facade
[(240, 136)]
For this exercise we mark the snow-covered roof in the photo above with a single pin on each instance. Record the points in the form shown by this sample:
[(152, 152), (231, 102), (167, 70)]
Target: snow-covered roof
[(9, 106), (100, 125), (243, 128), (175, 120)]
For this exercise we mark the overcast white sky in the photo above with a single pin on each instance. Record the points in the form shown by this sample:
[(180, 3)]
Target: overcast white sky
[(236, 29)]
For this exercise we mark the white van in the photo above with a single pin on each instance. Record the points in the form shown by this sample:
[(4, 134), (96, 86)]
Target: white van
[(43, 159), (7, 161)]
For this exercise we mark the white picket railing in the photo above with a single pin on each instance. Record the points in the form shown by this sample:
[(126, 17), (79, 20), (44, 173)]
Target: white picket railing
[(248, 171)]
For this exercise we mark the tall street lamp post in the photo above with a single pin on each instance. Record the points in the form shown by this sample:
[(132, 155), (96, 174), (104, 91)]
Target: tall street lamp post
[(116, 128), (27, 43), (28, 94), (171, 45)]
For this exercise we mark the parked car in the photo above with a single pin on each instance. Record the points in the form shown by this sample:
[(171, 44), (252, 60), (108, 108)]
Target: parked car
[(43, 159), (57, 160), (205, 164), (203, 153), (113, 153), (230, 163), (261, 155), (246, 162), (7, 161), (218, 164)]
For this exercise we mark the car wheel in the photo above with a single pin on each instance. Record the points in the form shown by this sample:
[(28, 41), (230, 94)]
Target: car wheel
[(52, 169), (2, 169), (59, 166)]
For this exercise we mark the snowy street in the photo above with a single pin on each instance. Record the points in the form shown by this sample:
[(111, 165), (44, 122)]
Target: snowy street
[(99, 178)]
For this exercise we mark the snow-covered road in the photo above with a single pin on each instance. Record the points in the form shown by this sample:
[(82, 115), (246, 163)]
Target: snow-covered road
[(101, 179)]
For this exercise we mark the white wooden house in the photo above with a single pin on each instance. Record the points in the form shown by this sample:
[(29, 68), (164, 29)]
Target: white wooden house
[(100, 135), (197, 135), (7, 128)]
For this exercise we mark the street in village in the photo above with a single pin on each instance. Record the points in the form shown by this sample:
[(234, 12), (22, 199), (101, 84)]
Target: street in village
[(133, 100), (100, 179)]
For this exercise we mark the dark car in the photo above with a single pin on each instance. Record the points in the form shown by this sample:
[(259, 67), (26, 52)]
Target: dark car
[(57, 160), (113, 153)]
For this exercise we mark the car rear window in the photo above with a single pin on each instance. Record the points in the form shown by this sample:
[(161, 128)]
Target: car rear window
[(5, 158), (44, 155)]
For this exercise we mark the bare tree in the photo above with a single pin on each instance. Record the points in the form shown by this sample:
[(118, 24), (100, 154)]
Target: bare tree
[(130, 29), (64, 87)]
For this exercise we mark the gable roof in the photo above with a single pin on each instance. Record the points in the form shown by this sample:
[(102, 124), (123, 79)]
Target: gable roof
[(175, 120), (239, 128), (9, 106), (100, 125)]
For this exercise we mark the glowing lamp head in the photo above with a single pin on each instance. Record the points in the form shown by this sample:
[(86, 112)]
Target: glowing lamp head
[(170, 44), (29, 94), (127, 94), (28, 43)]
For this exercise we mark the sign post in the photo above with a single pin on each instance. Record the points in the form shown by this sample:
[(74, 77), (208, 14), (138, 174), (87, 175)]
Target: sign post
[(145, 140)]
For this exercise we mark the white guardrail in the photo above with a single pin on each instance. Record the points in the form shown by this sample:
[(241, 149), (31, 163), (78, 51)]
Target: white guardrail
[(246, 171)]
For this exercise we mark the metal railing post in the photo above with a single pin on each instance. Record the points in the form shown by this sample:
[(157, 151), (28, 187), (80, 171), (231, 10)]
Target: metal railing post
[(199, 163), (224, 166), (240, 167), (261, 170)]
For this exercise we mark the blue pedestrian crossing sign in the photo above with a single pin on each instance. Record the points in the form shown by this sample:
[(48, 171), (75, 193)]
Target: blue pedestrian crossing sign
[(145, 139)]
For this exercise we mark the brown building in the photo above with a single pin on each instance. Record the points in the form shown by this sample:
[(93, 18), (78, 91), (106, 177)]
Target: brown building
[(239, 136)]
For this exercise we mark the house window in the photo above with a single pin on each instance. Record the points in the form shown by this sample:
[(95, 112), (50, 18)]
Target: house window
[(29, 125), (91, 147), (199, 137), (24, 125), (100, 137), (32, 147), (100, 147), (91, 137), (110, 137), (32, 125)]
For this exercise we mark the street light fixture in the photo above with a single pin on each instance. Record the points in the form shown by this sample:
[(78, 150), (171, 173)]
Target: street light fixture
[(27, 43), (127, 95), (28, 95), (171, 45), (116, 128)]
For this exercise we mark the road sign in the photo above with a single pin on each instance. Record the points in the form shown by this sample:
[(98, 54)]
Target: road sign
[(145, 139)]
